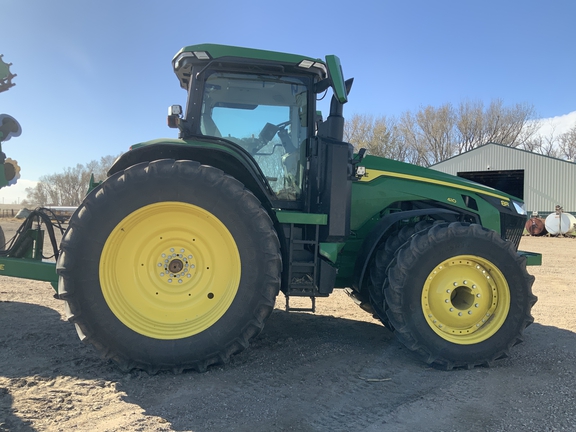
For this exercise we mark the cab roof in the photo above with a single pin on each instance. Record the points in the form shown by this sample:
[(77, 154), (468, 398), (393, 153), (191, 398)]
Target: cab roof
[(204, 53)]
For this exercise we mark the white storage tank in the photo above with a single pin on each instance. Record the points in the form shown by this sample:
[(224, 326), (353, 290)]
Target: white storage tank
[(562, 223)]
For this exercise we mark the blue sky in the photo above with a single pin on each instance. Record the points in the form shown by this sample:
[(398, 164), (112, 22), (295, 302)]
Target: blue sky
[(95, 77)]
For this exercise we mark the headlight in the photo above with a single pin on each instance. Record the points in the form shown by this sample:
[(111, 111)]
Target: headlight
[(520, 208)]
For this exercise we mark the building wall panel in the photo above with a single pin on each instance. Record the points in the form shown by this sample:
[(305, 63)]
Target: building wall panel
[(547, 181)]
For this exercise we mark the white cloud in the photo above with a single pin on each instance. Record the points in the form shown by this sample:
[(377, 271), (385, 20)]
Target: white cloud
[(556, 125), (16, 193)]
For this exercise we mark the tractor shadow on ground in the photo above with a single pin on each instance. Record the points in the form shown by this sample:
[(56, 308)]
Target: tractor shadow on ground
[(8, 420), (299, 361)]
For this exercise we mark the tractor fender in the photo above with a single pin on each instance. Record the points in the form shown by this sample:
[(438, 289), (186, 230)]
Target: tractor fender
[(233, 163), (383, 227)]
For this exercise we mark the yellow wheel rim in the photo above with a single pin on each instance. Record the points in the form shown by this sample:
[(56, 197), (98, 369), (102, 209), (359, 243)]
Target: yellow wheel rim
[(465, 299), (169, 270)]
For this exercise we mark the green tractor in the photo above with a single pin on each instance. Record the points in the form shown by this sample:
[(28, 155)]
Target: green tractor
[(175, 261)]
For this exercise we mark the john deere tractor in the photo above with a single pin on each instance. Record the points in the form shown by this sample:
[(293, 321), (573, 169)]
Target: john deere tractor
[(175, 260)]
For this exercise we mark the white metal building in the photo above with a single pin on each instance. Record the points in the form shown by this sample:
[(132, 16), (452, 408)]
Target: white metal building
[(542, 181)]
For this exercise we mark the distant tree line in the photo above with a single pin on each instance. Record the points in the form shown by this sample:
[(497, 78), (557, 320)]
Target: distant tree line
[(433, 134), (67, 188)]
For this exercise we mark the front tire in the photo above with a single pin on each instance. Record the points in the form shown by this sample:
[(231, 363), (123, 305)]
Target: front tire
[(169, 265), (459, 295)]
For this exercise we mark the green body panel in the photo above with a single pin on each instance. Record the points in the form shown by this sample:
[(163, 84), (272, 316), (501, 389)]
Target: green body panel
[(389, 181), (369, 198), (284, 216), (431, 176)]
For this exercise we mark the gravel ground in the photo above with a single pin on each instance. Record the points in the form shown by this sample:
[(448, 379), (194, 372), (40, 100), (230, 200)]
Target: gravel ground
[(337, 370)]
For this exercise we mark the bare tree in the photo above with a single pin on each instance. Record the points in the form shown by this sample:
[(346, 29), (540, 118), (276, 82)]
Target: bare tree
[(437, 132), (69, 187), (410, 138), (510, 126), (378, 135), (567, 144), (470, 125), (543, 144), (429, 134), (434, 134)]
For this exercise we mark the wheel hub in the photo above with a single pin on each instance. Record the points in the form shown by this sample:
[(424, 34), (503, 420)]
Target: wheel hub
[(175, 264)]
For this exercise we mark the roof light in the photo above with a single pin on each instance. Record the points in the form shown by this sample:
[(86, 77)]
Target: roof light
[(182, 56), (307, 64), (202, 55), (322, 67)]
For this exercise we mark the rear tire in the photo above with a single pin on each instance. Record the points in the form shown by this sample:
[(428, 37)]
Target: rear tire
[(459, 295), (169, 265)]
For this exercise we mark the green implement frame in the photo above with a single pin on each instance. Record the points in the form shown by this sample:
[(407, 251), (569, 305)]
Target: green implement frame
[(29, 269), (25, 259)]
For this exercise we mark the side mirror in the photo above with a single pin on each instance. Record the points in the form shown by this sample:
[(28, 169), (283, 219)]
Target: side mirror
[(337, 78), (174, 116)]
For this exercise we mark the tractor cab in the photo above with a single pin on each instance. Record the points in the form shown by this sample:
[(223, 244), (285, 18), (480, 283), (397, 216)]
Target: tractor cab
[(263, 102)]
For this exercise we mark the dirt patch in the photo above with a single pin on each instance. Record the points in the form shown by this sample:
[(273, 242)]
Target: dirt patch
[(337, 370)]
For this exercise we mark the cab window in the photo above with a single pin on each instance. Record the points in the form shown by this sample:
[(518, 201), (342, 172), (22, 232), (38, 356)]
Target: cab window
[(267, 116)]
